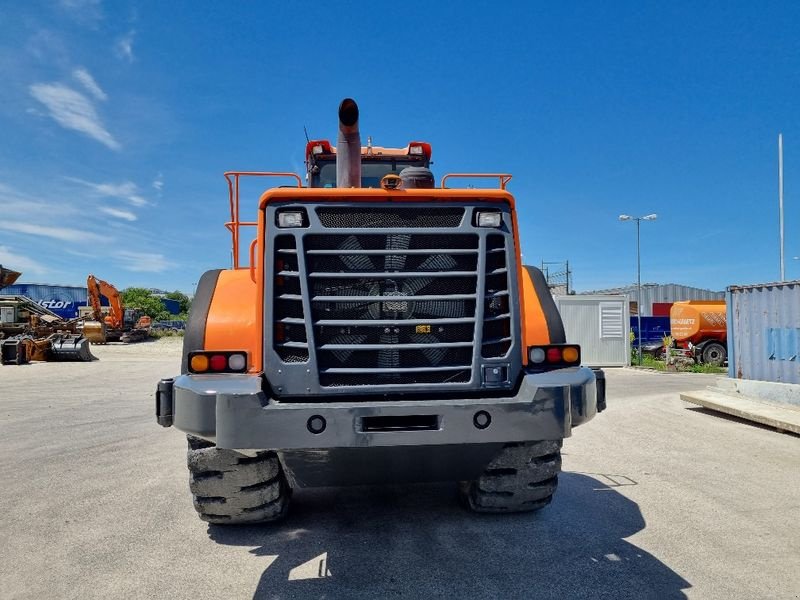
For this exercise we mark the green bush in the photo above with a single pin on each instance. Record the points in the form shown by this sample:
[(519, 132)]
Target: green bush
[(145, 301), (650, 362)]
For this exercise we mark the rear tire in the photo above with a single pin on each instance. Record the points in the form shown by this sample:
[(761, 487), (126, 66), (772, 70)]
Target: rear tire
[(522, 477), (229, 487), (714, 354)]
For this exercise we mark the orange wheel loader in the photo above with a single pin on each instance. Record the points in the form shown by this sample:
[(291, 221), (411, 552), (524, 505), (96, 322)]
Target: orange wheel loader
[(383, 330)]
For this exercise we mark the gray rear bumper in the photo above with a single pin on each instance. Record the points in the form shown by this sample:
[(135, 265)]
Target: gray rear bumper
[(235, 412)]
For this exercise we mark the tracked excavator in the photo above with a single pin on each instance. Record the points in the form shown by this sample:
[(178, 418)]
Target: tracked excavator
[(119, 324)]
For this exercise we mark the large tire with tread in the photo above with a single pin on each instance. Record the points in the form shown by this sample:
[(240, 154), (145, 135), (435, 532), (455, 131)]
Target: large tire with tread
[(714, 354), (522, 477), (229, 487)]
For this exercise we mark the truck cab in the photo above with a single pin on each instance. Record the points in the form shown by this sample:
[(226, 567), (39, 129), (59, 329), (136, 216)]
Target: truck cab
[(376, 162)]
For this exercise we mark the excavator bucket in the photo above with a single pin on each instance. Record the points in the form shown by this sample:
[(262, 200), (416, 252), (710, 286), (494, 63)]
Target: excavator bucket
[(69, 347), (95, 332), (8, 277)]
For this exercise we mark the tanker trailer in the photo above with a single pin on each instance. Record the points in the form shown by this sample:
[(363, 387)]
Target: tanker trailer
[(701, 327)]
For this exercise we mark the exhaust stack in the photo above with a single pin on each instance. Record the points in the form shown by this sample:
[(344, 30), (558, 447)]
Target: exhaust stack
[(348, 146)]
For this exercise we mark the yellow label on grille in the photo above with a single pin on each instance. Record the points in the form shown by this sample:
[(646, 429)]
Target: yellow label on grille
[(423, 328)]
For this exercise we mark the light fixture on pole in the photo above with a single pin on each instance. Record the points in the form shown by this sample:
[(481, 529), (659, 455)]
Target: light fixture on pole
[(650, 217)]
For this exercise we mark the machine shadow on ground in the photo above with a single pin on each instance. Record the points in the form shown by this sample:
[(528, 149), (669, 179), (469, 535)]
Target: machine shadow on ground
[(417, 542)]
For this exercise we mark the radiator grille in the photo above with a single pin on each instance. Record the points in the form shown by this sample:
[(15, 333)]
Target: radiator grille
[(372, 296), (363, 293)]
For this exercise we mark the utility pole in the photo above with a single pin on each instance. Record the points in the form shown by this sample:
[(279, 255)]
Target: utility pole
[(780, 201)]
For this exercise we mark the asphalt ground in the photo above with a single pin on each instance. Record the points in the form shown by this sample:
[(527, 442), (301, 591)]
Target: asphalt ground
[(658, 499)]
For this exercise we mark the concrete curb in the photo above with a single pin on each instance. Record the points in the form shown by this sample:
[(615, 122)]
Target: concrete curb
[(782, 417)]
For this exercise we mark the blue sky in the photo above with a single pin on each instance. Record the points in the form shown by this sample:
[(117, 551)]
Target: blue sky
[(117, 120)]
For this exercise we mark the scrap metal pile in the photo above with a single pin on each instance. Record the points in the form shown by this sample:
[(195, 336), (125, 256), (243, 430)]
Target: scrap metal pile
[(31, 332)]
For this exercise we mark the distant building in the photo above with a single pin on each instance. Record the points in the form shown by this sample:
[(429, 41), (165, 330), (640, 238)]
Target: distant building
[(64, 300), (657, 298)]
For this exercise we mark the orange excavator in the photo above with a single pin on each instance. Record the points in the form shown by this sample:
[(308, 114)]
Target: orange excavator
[(119, 324)]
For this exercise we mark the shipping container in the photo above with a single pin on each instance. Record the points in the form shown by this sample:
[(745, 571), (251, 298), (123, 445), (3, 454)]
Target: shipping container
[(764, 332), (173, 306), (654, 329), (600, 324)]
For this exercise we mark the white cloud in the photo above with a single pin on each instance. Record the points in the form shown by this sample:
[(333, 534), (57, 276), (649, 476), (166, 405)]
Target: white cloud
[(123, 47), (73, 110), (19, 262), (79, 4), (118, 213), (144, 262), (89, 83), (87, 12), (13, 202), (65, 234), (127, 190), (158, 182), (48, 47)]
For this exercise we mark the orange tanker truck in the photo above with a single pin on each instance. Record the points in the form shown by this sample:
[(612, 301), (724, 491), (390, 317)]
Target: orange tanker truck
[(701, 327), (383, 330)]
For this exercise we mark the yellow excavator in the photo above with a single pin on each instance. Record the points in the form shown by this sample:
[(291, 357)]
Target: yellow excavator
[(120, 324)]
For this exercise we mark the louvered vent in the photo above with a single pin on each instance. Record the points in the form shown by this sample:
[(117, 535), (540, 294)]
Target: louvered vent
[(289, 335), (496, 311)]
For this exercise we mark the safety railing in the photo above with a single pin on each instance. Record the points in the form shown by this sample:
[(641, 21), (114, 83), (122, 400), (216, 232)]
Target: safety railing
[(235, 224), (503, 178)]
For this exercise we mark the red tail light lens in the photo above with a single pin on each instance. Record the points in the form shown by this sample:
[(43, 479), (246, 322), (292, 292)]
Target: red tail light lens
[(218, 362), (554, 355)]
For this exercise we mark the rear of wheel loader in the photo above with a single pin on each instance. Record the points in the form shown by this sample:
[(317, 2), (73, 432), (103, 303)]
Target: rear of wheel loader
[(378, 334)]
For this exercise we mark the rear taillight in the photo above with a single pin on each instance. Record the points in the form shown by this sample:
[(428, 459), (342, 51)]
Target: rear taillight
[(554, 355), (218, 362)]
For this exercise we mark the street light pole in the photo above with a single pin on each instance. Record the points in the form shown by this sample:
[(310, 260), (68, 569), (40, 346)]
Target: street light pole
[(651, 217), (780, 203), (639, 292)]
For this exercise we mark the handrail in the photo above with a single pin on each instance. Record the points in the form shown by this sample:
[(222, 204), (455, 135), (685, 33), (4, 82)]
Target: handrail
[(232, 177), (503, 177), (253, 245)]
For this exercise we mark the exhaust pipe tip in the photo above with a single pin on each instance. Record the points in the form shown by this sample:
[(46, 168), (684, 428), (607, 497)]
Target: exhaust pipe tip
[(348, 112)]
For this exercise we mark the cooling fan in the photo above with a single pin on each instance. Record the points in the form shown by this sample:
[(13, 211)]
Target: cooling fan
[(401, 307)]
